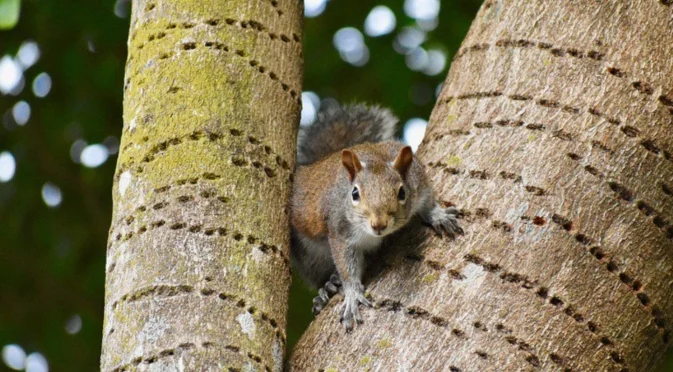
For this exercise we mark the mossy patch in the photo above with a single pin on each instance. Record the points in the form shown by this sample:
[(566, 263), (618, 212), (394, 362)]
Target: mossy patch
[(384, 343), (452, 160), (430, 278)]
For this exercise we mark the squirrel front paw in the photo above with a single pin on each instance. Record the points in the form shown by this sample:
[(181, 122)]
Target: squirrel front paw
[(354, 296), (445, 220), (331, 287)]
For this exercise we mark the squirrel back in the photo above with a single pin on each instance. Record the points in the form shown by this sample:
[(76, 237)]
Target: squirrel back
[(339, 127)]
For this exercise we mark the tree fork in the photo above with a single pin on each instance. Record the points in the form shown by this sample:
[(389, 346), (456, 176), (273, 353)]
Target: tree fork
[(554, 134), (197, 263)]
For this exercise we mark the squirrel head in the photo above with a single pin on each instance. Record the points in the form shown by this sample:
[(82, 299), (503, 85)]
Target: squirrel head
[(379, 193)]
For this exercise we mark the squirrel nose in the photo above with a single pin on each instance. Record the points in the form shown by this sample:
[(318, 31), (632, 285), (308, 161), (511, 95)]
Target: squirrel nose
[(379, 225)]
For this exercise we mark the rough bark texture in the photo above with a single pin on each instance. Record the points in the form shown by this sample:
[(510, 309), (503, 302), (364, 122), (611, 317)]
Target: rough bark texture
[(197, 265), (554, 133)]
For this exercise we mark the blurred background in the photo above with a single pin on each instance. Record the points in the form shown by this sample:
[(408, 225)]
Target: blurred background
[(61, 77)]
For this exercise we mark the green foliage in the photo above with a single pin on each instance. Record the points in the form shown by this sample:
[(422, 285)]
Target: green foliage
[(9, 13)]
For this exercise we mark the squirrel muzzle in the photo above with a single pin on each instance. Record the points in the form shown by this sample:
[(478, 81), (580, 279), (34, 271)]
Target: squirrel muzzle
[(378, 224)]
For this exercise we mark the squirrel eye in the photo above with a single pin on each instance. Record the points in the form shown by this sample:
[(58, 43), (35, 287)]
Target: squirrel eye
[(401, 194), (355, 194)]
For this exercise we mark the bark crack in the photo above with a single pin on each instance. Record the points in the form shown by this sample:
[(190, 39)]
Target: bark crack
[(502, 331), (190, 46), (531, 286), (184, 347), (209, 231), (634, 285), (157, 205), (212, 137), (249, 24), (563, 135), (627, 195), (652, 214), (631, 132), (168, 291), (637, 85)]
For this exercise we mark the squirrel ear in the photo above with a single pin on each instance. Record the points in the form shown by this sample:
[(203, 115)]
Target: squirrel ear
[(403, 160), (351, 163)]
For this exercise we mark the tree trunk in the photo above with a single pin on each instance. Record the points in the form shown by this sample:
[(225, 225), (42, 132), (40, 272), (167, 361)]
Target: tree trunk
[(197, 262), (554, 133)]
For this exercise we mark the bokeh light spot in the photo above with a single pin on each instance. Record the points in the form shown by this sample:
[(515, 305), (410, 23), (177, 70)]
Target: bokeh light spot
[(408, 39), (348, 39), (51, 194), (380, 21), (414, 130), (74, 324), (76, 150), (351, 46), (36, 362), (438, 90), (10, 75), (436, 62), (427, 25), (14, 357), (314, 8), (94, 155), (7, 166), (112, 144), (309, 109), (122, 8), (28, 54), (42, 85), (422, 9), (358, 57), (417, 59), (21, 112)]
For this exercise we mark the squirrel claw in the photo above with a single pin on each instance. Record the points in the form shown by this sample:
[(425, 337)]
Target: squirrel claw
[(318, 305), (328, 291), (437, 228), (331, 289), (366, 302), (347, 323), (335, 279), (350, 313), (322, 293), (444, 220)]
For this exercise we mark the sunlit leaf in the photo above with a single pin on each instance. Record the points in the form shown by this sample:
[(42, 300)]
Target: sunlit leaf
[(9, 13)]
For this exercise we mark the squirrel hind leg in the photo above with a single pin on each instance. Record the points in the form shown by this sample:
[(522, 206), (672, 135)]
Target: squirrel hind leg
[(329, 290), (312, 260)]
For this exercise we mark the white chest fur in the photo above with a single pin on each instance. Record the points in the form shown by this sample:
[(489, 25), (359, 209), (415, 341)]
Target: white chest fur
[(364, 241)]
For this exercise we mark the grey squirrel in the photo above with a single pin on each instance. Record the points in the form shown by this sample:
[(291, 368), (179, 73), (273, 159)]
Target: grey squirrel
[(354, 185)]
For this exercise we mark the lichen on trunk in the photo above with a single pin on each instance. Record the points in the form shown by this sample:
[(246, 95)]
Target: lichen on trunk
[(197, 262)]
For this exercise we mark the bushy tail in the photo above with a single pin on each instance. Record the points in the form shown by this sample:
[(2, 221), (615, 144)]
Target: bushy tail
[(338, 127)]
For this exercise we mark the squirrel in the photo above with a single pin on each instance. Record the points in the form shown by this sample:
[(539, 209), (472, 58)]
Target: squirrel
[(354, 185)]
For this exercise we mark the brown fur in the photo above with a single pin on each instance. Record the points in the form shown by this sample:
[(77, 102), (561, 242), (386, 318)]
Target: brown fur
[(309, 209)]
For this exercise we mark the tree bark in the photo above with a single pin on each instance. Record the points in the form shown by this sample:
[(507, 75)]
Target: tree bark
[(554, 134), (197, 262)]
